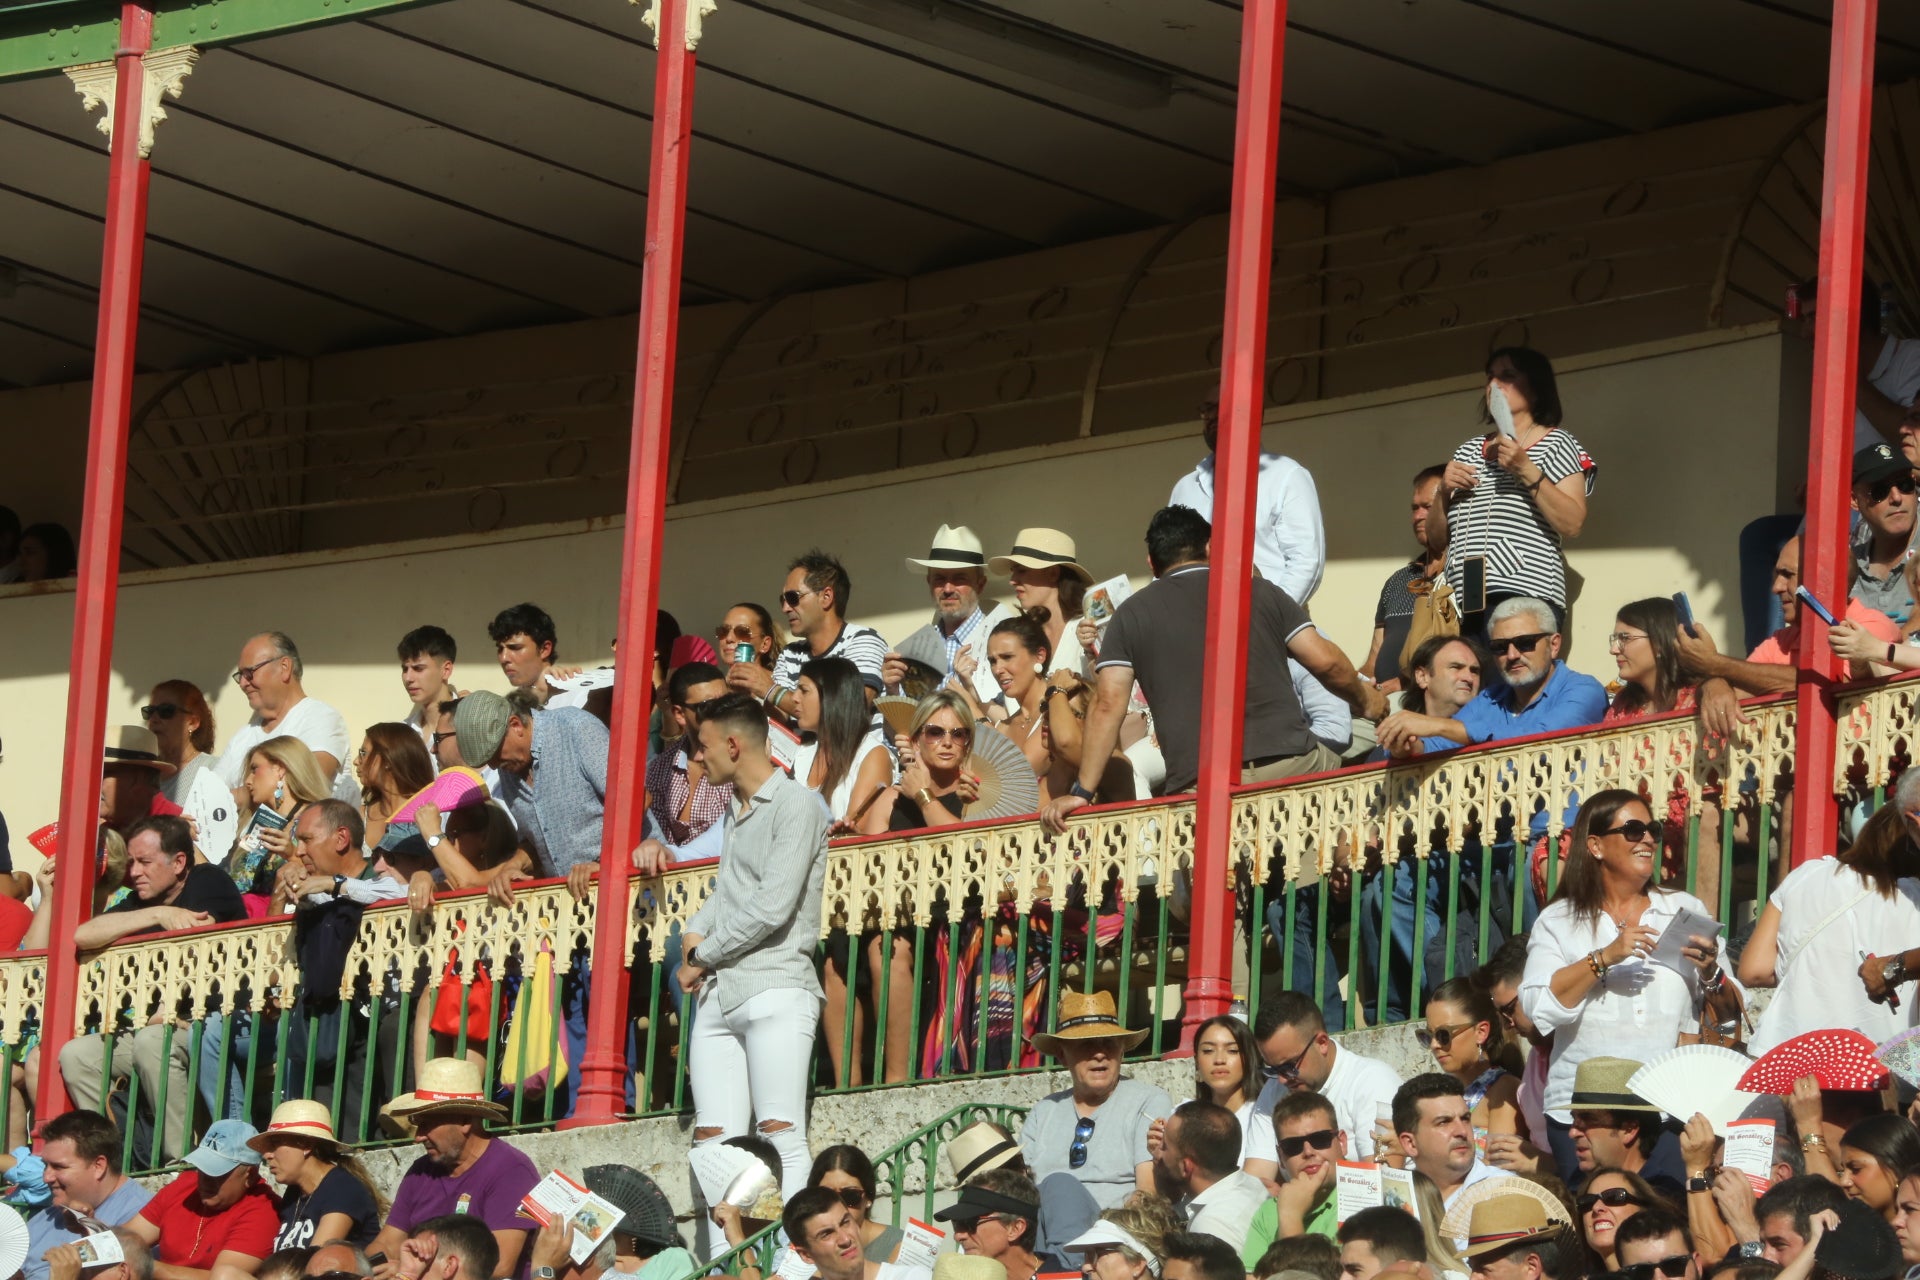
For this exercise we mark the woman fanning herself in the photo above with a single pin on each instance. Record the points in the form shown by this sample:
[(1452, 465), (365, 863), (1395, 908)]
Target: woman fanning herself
[(1827, 914), (934, 788), (841, 756), (1645, 648), (1018, 655), (392, 765), (1469, 1041), (1590, 981)]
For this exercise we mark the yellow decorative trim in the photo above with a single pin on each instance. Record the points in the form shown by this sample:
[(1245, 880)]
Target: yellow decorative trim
[(165, 73)]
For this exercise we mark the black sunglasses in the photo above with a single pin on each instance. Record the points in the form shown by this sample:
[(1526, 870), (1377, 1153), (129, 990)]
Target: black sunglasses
[(1879, 490), (1442, 1036), (1525, 644), (160, 711), (1675, 1267), (1319, 1140), (792, 598), (1612, 1197), (852, 1197), (1635, 830), (1082, 1134), (1291, 1070)]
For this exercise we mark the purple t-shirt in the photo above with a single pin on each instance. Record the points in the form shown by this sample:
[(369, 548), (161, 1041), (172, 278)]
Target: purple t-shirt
[(492, 1188)]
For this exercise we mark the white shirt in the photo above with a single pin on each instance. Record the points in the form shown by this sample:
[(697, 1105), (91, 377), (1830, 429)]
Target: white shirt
[(1638, 1012), (1356, 1087), (842, 797), (898, 1271), (1329, 718), (1289, 544), (1818, 989), (314, 723), (1257, 1140), (1895, 375), (1225, 1209)]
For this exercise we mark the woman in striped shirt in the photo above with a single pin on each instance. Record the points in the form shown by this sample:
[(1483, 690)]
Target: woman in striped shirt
[(1511, 500)]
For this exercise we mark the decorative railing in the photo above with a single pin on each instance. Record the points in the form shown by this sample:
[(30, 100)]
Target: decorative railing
[(981, 926)]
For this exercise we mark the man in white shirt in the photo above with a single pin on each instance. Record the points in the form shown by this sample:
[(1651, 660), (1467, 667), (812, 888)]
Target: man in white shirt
[(1289, 544), (525, 641), (1199, 1165), (956, 575), (269, 674), (426, 673), (1293, 1041), (1434, 1126)]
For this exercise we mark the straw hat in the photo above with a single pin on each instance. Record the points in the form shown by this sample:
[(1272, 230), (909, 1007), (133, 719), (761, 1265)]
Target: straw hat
[(134, 744), (981, 1146), (1600, 1084), (298, 1118), (1086, 1017), (1501, 1222), (1040, 549), (954, 547), (446, 1085)]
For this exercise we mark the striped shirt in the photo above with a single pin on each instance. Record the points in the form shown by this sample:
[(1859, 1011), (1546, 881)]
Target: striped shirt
[(1498, 520), (862, 646)]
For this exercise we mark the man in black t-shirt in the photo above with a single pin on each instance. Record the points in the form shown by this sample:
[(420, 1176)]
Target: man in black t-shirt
[(169, 892)]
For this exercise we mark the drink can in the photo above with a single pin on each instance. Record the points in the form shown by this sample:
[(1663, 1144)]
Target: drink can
[(743, 652), (1793, 302)]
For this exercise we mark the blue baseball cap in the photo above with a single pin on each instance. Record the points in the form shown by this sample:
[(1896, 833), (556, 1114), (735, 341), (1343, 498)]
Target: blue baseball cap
[(224, 1149)]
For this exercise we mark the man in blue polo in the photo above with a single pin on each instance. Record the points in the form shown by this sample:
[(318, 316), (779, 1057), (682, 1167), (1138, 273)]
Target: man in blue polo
[(1540, 694)]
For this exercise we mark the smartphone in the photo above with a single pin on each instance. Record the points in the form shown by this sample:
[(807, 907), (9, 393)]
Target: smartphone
[(1683, 607), (1826, 615), (1473, 584), (376, 1259)]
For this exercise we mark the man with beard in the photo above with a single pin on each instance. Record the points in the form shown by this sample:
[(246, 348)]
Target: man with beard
[(461, 1170)]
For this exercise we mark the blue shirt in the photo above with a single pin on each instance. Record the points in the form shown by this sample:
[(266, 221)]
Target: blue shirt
[(560, 805), (1570, 701), (53, 1226)]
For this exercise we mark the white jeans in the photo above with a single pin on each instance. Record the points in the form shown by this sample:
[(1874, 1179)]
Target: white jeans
[(753, 1065)]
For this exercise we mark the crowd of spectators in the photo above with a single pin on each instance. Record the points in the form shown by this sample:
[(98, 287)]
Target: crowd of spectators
[(767, 741)]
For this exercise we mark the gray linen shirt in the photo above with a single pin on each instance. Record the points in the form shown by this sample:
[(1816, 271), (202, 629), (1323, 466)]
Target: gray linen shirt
[(561, 804), (759, 926)]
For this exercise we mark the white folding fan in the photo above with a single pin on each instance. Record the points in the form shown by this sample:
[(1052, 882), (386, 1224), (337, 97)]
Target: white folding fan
[(1701, 1078)]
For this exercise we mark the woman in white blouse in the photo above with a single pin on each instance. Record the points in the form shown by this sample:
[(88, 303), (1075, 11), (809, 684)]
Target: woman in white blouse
[(1591, 982)]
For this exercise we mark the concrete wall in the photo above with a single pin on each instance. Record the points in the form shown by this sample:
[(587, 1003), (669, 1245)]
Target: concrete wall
[(1684, 432)]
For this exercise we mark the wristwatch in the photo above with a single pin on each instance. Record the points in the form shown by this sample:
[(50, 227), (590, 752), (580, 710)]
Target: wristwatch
[(1752, 1248), (433, 841), (1077, 790), (1698, 1182), (543, 1273), (1894, 972), (339, 883)]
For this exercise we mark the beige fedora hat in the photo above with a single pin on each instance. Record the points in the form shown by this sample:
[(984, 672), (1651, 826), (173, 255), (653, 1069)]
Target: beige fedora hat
[(981, 1146), (1040, 549), (134, 744), (445, 1085), (298, 1118), (954, 547)]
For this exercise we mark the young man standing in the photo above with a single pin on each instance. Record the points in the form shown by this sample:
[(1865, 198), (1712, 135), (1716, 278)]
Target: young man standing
[(426, 672)]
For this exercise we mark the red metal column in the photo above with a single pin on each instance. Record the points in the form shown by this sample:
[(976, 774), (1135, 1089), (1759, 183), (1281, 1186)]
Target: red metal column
[(1263, 30), (1836, 345), (602, 1073), (97, 591)]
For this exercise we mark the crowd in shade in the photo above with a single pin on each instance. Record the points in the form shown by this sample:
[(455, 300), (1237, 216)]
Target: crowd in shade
[(1609, 1090)]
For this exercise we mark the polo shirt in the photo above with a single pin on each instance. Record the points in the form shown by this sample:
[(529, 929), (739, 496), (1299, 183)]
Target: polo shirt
[(1777, 649), (1265, 1227), (490, 1191)]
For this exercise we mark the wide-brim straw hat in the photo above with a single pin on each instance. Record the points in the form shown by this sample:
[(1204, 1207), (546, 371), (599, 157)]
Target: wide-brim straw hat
[(1086, 1017), (1501, 1222), (1040, 549), (446, 1085), (954, 547), (298, 1118), (1600, 1084), (134, 744)]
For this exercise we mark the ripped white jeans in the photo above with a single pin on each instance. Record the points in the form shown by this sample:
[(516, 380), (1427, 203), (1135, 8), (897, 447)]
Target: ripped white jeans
[(752, 1065)]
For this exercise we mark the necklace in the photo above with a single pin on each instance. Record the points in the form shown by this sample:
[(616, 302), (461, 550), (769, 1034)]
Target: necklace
[(1034, 723)]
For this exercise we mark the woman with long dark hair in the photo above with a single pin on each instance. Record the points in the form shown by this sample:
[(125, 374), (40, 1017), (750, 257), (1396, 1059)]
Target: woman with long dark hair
[(1590, 981), (1826, 915), (1874, 1154), (392, 765), (841, 756), (1610, 1197), (846, 1171), (1469, 1042), (1019, 655)]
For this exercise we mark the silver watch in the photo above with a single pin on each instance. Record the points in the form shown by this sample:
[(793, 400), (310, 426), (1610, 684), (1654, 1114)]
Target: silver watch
[(433, 841), (1893, 972)]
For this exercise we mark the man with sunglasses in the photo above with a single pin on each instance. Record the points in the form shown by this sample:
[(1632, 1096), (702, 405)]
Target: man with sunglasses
[(814, 599), (1883, 486), (1301, 1057), (1311, 1143), (1654, 1244), (998, 1216), (1614, 1129), (269, 673)]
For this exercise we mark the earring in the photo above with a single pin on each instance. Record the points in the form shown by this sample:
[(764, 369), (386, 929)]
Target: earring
[(1039, 670), (279, 791)]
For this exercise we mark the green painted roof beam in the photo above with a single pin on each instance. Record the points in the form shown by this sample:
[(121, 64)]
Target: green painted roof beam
[(36, 39)]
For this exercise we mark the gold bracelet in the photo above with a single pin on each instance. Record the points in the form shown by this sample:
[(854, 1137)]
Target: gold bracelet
[(925, 798)]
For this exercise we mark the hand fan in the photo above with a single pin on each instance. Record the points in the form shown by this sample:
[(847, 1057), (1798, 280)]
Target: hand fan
[(1502, 413), (1701, 1078), (1455, 1226), (1902, 1055), (1008, 787), (1839, 1058), (898, 713), (455, 788)]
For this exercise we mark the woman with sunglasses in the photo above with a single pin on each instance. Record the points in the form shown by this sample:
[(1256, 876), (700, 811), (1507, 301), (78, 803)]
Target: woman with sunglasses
[(1468, 1040), (752, 625), (1824, 917), (934, 788), (180, 719), (1874, 1154), (1591, 981), (846, 1171), (1610, 1197)]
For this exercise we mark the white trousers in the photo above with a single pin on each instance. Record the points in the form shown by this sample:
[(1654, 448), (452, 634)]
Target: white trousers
[(752, 1065)]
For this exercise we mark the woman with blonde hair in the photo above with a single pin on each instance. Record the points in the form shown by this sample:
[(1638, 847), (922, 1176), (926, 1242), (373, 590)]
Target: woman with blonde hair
[(933, 789), (280, 775), (1446, 1264)]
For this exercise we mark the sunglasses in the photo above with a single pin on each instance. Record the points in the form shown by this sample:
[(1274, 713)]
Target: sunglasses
[(1507, 1010), (1612, 1197), (852, 1197), (792, 598), (1635, 830), (1291, 1070), (1319, 1140), (160, 711), (244, 676), (1879, 489), (940, 733), (743, 634), (1525, 644), (1082, 1134), (1442, 1036), (439, 738), (1675, 1267)]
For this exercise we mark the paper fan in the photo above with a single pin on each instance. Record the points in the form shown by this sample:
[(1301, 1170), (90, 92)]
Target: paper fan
[(455, 788), (1701, 1078), (1902, 1055), (1008, 787), (1455, 1225), (898, 713), (13, 1242), (1837, 1057), (46, 839)]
